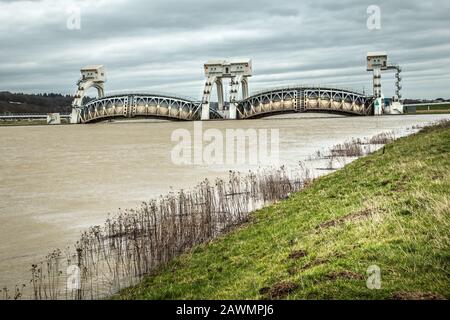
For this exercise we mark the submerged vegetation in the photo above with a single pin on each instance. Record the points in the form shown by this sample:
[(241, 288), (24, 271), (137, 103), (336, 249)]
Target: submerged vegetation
[(137, 242), (338, 155), (356, 147), (207, 243)]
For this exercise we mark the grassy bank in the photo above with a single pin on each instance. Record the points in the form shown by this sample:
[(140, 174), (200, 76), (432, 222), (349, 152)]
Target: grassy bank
[(390, 209)]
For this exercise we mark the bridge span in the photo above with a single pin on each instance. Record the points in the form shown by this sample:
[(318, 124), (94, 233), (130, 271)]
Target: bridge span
[(304, 99), (262, 104), (142, 105), (269, 102)]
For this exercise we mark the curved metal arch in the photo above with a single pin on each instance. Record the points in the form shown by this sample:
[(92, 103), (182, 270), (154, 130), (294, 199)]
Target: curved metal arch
[(303, 99), (83, 87), (140, 106)]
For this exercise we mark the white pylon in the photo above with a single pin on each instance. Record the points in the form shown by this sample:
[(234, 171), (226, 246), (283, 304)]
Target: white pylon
[(91, 77), (215, 71)]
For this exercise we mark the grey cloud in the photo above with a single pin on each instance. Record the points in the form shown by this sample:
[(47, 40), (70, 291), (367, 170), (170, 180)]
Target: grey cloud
[(160, 44)]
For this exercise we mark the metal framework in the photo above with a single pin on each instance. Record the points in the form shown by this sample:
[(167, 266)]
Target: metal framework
[(303, 99), (140, 105), (398, 80)]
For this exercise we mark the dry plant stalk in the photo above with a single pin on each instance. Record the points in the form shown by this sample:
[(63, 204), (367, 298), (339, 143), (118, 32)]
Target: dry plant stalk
[(135, 243)]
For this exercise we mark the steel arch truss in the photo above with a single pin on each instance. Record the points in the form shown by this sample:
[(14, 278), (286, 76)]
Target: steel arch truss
[(303, 99), (139, 105)]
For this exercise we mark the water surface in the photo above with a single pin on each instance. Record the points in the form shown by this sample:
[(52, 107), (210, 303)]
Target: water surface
[(56, 181)]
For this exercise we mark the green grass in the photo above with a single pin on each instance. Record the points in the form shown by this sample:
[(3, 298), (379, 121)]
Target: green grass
[(433, 109), (391, 210)]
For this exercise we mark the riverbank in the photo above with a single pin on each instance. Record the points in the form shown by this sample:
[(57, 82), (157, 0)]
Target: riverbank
[(388, 212)]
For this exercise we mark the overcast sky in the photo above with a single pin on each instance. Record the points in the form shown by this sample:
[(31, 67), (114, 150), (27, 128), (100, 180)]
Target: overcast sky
[(161, 45)]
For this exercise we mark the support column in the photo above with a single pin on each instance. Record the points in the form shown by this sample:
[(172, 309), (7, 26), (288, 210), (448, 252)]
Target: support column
[(100, 90), (378, 103), (207, 95), (75, 116), (244, 88), (220, 99), (377, 82), (236, 82)]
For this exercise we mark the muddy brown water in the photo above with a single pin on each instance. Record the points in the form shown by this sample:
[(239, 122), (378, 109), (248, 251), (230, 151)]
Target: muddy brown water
[(56, 181)]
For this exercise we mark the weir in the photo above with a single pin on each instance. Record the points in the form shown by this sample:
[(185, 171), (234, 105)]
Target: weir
[(288, 99)]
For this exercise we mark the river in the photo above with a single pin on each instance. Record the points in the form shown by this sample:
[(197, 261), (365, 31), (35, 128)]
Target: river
[(56, 181)]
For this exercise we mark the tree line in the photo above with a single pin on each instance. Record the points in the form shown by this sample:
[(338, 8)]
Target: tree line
[(34, 103)]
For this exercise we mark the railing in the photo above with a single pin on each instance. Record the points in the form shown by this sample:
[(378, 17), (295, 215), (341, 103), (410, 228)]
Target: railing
[(303, 86), (156, 94)]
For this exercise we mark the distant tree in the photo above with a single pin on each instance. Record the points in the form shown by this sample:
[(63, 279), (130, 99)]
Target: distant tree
[(34, 103)]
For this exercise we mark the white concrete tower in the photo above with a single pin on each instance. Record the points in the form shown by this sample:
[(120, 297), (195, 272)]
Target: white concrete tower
[(215, 71), (377, 61), (91, 76)]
